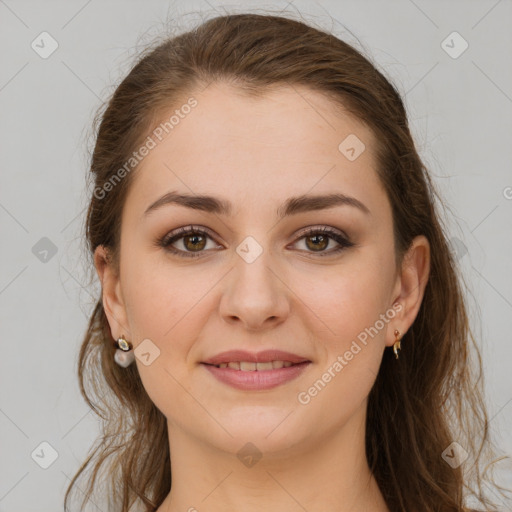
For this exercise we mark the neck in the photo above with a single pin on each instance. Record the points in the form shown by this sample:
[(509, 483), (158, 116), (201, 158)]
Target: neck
[(332, 474)]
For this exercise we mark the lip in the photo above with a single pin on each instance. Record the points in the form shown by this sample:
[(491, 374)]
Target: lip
[(259, 379), (259, 357), (256, 380)]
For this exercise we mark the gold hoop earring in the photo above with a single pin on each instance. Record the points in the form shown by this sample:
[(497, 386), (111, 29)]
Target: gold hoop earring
[(396, 345)]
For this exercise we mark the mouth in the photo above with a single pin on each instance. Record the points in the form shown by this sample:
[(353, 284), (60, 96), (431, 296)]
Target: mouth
[(255, 361), (245, 370), (249, 371), (250, 366)]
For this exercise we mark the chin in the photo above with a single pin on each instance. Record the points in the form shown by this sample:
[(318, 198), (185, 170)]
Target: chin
[(270, 429)]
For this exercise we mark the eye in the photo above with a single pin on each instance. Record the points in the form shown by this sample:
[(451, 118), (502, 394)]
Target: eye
[(193, 241), (318, 240)]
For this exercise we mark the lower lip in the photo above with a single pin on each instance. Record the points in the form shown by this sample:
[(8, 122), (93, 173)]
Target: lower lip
[(264, 379)]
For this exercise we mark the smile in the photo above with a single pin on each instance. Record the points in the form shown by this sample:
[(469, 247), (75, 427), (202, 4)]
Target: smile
[(246, 366)]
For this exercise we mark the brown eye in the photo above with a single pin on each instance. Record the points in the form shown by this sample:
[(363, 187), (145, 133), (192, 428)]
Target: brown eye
[(318, 242), (187, 242), (194, 242)]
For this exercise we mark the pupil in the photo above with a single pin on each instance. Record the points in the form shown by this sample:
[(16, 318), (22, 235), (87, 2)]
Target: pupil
[(320, 238), (195, 242)]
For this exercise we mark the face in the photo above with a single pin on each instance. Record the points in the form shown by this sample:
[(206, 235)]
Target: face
[(315, 280)]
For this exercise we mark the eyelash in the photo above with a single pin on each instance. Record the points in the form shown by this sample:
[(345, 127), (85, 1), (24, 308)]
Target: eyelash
[(172, 237)]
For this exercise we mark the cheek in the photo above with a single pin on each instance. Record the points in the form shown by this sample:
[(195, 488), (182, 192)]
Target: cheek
[(169, 305), (350, 323), (345, 300), (350, 334), (164, 305), (158, 294), (153, 306)]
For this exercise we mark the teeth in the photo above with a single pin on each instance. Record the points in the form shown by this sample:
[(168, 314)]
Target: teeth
[(246, 366), (264, 366)]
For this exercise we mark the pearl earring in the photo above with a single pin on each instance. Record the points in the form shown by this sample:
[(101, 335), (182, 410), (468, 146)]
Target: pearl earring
[(124, 355)]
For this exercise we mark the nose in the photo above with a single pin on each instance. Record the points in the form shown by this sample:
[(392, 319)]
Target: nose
[(255, 295)]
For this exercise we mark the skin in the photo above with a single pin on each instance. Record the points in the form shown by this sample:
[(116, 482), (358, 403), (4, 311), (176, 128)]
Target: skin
[(257, 152)]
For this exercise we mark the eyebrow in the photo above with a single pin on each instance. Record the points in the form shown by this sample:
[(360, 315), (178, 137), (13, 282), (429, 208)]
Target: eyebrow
[(291, 206)]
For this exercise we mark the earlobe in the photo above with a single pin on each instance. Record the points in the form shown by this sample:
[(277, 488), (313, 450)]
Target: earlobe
[(413, 281), (111, 295)]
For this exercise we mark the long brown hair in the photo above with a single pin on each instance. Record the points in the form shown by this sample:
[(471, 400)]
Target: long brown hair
[(417, 407)]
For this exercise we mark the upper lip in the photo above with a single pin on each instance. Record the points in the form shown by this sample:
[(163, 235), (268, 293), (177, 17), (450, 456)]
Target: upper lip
[(255, 357)]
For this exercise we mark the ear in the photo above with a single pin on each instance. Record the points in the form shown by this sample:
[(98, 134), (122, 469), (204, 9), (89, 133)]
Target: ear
[(112, 297), (410, 285)]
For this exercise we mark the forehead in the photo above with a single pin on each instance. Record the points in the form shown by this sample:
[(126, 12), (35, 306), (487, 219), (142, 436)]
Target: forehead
[(287, 141)]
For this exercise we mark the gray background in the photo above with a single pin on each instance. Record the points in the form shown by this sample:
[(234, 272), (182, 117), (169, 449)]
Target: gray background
[(459, 109)]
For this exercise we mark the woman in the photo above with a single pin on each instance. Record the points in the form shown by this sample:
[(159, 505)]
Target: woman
[(281, 325)]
